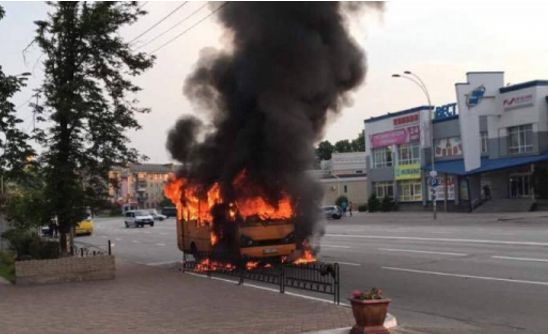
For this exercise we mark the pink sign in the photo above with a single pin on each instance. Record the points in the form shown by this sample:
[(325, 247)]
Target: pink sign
[(399, 136)]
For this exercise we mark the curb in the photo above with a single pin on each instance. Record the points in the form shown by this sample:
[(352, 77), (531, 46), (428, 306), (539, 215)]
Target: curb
[(389, 323), (4, 281)]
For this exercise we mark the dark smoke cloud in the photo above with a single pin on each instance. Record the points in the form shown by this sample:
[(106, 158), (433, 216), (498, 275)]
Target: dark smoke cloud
[(292, 63)]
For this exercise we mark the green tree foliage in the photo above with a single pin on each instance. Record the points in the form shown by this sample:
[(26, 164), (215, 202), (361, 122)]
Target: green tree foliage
[(373, 203), (324, 150), (387, 204), (341, 201), (88, 102), (343, 146), (14, 147), (358, 144)]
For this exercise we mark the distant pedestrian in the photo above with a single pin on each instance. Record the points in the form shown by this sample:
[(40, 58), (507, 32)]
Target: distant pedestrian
[(344, 206), (350, 208), (487, 192)]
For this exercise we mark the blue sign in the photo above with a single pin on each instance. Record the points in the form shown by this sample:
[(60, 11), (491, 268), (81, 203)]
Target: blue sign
[(475, 96), (434, 182), (446, 111)]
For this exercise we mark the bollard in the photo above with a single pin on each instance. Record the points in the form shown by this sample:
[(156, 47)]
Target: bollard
[(81, 252), (109, 248)]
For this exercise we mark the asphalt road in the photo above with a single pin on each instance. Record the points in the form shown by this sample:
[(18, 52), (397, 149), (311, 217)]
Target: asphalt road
[(470, 273)]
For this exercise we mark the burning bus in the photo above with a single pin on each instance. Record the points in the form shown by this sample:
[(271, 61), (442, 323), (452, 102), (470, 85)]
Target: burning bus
[(248, 228)]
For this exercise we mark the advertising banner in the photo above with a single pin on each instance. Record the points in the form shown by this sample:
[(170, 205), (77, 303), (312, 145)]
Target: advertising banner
[(399, 136), (407, 172), (440, 189), (448, 147)]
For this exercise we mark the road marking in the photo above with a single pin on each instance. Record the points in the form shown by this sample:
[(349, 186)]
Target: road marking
[(103, 236), (118, 239), (477, 241), (487, 278), (348, 263), (420, 251), (161, 263), (335, 246), (160, 244), (135, 241), (163, 233), (530, 259)]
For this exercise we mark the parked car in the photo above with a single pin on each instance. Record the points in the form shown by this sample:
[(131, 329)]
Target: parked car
[(156, 215), (332, 212), (138, 218), (169, 211)]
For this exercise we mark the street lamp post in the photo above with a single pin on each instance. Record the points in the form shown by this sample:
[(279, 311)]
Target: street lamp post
[(418, 81)]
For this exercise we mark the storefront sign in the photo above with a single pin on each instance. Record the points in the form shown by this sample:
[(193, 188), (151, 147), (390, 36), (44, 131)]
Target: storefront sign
[(406, 120), (518, 102), (399, 136), (475, 96), (448, 147), (445, 111), (440, 189), (407, 172)]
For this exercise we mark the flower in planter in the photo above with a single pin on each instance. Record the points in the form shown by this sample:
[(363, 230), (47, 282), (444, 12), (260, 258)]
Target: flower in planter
[(372, 294)]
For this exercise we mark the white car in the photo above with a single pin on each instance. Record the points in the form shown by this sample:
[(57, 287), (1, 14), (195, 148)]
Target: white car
[(138, 218), (156, 215)]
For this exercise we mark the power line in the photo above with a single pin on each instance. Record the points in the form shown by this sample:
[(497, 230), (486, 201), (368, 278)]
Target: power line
[(160, 21), (189, 28), (172, 27), (142, 5)]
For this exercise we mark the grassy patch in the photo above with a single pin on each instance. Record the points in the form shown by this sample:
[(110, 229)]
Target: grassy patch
[(7, 267)]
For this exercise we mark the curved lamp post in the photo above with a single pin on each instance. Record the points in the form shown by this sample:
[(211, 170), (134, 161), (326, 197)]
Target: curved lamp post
[(408, 75)]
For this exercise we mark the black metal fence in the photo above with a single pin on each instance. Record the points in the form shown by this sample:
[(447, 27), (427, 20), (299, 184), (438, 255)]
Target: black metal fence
[(84, 249), (318, 277)]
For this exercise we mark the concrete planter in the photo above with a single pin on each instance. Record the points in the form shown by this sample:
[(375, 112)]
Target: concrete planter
[(369, 316), (66, 269)]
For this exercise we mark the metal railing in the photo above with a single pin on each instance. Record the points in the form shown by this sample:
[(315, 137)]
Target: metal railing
[(318, 277)]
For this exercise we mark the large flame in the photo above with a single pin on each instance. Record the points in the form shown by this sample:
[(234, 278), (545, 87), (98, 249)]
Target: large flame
[(195, 203)]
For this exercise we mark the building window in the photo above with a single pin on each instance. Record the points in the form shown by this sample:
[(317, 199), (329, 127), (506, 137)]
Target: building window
[(382, 157), (410, 191), (520, 139), (448, 147), (409, 154), (345, 188), (483, 142), (383, 189)]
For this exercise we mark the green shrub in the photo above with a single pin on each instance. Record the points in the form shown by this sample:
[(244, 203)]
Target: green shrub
[(340, 200), (26, 244), (7, 266), (373, 203), (44, 249), (387, 204), (362, 207)]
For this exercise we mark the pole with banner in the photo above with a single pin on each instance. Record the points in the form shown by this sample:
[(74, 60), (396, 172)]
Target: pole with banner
[(434, 183)]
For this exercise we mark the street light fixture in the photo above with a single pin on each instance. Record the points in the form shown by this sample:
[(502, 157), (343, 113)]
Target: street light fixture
[(418, 81)]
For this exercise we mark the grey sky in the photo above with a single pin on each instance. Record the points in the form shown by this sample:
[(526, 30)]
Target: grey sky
[(440, 41)]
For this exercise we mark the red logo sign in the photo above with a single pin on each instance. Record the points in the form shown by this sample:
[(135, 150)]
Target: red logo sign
[(407, 119), (517, 101)]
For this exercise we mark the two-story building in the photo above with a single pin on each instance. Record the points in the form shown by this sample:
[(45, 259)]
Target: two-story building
[(487, 146)]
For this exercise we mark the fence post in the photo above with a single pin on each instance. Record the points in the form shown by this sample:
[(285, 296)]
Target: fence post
[(81, 252), (337, 285), (282, 278), (109, 248)]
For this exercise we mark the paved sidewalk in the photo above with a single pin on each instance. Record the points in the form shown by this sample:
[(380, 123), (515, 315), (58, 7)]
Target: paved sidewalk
[(145, 299)]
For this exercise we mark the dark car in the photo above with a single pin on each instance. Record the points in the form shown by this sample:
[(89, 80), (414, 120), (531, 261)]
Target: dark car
[(332, 212), (169, 211)]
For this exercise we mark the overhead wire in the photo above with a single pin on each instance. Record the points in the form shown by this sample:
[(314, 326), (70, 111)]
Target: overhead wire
[(160, 21), (172, 27), (189, 28)]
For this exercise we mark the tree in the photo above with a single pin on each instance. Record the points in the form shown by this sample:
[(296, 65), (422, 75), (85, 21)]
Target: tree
[(324, 150), (87, 98), (358, 144), (343, 146)]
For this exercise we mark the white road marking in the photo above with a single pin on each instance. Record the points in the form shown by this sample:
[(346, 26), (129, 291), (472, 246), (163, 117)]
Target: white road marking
[(420, 251), (161, 263), (163, 233), (335, 246), (487, 278), (348, 263), (118, 239), (477, 241), (529, 259), (135, 241), (160, 244)]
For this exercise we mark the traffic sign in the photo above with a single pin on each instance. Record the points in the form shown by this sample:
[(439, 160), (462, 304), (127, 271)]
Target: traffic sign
[(433, 173), (434, 182)]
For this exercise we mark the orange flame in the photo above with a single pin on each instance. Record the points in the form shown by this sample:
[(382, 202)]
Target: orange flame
[(251, 265), (213, 239), (307, 257)]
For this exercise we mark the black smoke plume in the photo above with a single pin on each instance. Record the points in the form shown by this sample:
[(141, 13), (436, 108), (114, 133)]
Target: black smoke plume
[(267, 100)]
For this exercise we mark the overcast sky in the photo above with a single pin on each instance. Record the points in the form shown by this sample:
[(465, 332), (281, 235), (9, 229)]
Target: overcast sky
[(440, 41)]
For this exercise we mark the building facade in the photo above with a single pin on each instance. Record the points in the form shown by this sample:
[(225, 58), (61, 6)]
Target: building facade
[(490, 145), (142, 184), (343, 175)]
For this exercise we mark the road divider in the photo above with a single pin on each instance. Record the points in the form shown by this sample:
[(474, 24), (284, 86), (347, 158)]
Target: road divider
[(527, 259), (486, 278)]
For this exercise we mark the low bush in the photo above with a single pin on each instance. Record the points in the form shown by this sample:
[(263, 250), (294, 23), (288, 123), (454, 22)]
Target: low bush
[(362, 207), (7, 266), (387, 204), (373, 203), (26, 245)]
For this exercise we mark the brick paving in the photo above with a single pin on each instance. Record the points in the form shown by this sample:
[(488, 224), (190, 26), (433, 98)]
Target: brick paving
[(144, 299)]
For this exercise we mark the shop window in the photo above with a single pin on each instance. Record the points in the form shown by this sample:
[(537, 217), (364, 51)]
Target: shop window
[(410, 191), (382, 157), (409, 154), (520, 139), (383, 189)]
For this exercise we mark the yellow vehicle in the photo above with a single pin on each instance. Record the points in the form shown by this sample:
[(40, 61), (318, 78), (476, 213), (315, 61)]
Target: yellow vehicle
[(250, 240), (84, 227)]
